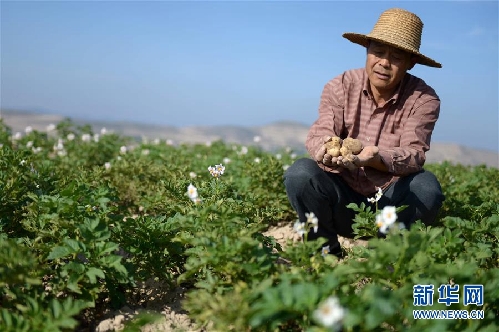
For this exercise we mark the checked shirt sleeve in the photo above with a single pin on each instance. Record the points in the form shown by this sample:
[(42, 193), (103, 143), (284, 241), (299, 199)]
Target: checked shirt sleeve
[(330, 120)]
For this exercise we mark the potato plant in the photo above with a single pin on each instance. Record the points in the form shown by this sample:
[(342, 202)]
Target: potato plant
[(85, 216)]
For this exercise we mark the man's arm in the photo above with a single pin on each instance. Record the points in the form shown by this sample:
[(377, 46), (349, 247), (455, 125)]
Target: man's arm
[(409, 157), (415, 139), (330, 120)]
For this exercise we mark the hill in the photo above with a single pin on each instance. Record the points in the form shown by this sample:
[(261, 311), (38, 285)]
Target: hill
[(273, 136)]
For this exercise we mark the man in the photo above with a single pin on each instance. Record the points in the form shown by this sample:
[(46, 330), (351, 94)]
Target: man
[(393, 114)]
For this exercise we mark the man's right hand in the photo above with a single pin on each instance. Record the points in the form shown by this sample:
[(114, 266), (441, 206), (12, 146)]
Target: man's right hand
[(322, 157)]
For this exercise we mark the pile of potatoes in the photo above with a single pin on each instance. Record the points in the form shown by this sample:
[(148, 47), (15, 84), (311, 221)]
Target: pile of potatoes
[(347, 147)]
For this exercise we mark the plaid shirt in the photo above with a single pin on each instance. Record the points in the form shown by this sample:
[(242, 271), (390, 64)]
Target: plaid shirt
[(401, 129)]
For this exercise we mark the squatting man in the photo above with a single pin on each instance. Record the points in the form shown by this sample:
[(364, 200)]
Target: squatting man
[(392, 113)]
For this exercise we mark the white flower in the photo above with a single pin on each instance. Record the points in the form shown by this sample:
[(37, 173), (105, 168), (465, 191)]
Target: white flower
[(86, 137), (28, 129), (226, 160), (51, 127), (29, 144), (36, 150), (216, 171), (123, 149), (156, 141), (386, 218), (103, 131), (192, 175), (107, 165), (383, 227), (312, 219), (257, 139), (145, 152), (293, 155), (208, 143), (213, 171), (70, 136), (326, 250), (23, 162), (299, 227), (169, 142), (379, 220), (192, 192), (257, 160), (96, 138), (61, 153), (244, 150), (376, 197), (285, 167), (17, 136), (389, 214), (220, 169), (330, 313), (278, 156), (59, 146)]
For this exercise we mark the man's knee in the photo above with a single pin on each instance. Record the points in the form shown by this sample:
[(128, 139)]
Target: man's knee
[(426, 187), (428, 192), (301, 170)]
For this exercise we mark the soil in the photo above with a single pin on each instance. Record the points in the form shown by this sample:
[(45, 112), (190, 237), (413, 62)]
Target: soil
[(152, 296)]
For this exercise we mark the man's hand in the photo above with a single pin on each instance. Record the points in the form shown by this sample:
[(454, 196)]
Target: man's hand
[(322, 157), (365, 157), (369, 156)]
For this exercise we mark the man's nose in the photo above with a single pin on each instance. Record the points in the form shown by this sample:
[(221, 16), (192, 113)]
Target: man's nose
[(384, 61)]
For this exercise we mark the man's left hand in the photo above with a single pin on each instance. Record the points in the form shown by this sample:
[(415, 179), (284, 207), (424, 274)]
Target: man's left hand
[(368, 156)]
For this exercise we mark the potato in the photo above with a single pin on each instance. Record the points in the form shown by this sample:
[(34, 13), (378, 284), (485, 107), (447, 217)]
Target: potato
[(335, 152), (347, 147), (353, 145), (333, 146)]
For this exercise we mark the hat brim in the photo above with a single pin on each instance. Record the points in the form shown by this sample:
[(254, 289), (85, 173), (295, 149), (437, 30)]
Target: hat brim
[(363, 40)]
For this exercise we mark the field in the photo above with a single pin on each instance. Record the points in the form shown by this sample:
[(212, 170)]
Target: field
[(90, 223)]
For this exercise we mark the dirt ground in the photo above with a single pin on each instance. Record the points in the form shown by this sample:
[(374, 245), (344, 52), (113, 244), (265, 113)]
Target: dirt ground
[(155, 297)]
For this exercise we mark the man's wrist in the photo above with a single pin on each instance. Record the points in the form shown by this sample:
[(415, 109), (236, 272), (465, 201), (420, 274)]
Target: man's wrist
[(377, 163)]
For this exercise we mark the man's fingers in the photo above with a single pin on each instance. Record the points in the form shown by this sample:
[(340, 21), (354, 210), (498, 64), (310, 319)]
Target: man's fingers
[(319, 155)]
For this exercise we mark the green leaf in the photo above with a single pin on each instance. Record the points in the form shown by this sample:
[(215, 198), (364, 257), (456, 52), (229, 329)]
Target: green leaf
[(94, 273), (74, 268), (74, 245), (59, 252), (56, 308)]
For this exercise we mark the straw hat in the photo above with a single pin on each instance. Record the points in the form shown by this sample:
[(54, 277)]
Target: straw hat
[(398, 28)]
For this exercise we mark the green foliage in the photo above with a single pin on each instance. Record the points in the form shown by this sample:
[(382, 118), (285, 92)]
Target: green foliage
[(82, 219)]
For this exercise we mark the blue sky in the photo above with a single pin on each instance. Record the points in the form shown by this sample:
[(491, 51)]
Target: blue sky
[(242, 63)]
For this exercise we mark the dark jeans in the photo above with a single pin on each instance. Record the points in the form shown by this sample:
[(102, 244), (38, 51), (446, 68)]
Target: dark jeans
[(310, 189)]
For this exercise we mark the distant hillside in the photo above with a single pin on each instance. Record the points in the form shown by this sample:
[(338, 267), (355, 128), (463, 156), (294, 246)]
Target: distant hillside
[(273, 136)]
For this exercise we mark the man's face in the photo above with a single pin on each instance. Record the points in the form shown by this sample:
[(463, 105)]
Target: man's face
[(386, 66)]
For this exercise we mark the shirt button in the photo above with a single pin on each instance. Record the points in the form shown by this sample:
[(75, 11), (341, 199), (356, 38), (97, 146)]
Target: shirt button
[(369, 139)]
